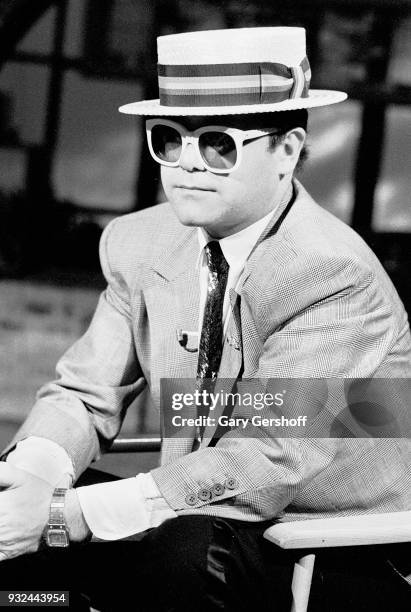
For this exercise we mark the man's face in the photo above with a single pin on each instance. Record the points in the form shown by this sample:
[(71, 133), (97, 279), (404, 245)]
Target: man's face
[(223, 203)]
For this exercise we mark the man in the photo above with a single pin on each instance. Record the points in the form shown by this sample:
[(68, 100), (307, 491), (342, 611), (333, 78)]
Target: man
[(241, 275)]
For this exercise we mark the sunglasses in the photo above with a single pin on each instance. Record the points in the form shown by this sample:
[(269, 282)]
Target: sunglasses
[(219, 147)]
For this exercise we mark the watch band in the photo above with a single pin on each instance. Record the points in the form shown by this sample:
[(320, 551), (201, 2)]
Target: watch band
[(57, 534)]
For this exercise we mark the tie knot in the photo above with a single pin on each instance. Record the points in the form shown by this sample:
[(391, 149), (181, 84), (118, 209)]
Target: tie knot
[(215, 259)]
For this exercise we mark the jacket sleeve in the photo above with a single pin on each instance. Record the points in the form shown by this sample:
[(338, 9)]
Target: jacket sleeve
[(97, 378), (341, 333)]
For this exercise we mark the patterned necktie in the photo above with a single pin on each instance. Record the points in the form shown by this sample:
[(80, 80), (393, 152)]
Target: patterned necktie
[(211, 339)]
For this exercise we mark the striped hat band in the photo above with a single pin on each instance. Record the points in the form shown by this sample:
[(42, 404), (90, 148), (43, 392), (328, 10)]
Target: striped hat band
[(232, 84)]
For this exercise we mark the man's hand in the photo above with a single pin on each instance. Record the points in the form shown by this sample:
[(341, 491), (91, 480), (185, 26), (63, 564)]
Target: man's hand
[(24, 510)]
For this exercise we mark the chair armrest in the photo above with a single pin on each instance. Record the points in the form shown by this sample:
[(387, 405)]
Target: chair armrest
[(136, 445), (387, 528)]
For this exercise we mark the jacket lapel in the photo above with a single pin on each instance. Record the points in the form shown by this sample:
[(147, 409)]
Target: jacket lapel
[(175, 294), (232, 357), (176, 273)]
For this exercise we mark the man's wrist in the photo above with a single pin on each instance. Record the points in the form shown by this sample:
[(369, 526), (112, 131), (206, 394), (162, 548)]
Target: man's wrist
[(75, 521)]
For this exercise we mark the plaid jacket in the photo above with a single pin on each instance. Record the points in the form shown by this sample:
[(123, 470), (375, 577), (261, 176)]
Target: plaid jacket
[(313, 301)]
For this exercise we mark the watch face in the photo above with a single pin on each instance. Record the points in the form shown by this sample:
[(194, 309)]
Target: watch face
[(57, 537)]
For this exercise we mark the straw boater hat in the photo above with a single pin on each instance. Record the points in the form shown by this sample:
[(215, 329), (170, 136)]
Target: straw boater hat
[(229, 72)]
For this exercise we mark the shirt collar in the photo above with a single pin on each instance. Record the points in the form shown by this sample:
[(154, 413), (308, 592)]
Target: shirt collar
[(237, 247)]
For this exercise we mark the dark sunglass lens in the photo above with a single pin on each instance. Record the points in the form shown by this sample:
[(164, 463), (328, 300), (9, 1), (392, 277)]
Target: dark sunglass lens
[(218, 149), (166, 142)]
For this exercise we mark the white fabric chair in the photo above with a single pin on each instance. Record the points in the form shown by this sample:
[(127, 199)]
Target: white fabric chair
[(387, 528)]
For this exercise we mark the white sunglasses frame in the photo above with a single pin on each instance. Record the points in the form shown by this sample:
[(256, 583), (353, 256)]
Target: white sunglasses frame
[(188, 137)]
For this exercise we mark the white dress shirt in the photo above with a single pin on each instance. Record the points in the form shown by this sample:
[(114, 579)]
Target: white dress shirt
[(121, 508)]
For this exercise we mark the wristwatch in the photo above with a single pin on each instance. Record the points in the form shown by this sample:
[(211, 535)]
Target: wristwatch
[(57, 534)]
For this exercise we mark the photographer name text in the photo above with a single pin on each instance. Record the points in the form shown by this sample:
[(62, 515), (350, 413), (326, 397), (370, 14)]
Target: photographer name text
[(238, 422)]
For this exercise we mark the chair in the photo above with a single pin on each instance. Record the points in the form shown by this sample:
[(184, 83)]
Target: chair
[(369, 529), (387, 528)]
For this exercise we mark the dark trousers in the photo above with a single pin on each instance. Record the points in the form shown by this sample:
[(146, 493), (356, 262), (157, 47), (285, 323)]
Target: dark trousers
[(205, 564)]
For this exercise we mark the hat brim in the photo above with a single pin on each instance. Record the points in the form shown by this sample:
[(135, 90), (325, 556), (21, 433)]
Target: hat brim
[(316, 97)]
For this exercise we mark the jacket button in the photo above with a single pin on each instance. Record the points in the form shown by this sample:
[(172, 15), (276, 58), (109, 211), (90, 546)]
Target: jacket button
[(204, 494), (191, 499), (231, 483), (217, 489)]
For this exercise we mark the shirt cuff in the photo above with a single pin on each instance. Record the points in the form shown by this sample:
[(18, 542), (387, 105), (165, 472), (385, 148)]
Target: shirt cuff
[(45, 459), (121, 508)]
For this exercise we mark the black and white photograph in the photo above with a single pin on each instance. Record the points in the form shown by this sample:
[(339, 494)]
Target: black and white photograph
[(205, 291)]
